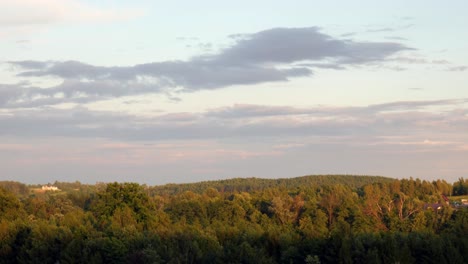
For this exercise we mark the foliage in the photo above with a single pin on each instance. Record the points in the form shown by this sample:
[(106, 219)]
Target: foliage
[(460, 187), (258, 184), (313, 219)]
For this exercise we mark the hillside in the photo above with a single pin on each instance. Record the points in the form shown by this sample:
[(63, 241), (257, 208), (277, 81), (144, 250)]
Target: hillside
[(257, 184)]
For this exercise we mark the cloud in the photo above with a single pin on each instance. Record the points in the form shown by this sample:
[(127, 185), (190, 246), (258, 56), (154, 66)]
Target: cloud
[(416, 105), (386, 29), (71, 90), (21, 18), (458, 68), (274, 55), (242, 122), (239, 140), (396, 38), (248, 110), (389, 29), (412, 60), (25, 13)]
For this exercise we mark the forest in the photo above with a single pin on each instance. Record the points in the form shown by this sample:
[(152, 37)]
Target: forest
[(310, 219)]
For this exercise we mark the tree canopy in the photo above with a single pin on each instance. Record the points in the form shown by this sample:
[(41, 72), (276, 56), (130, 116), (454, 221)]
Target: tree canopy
[(327, 219)]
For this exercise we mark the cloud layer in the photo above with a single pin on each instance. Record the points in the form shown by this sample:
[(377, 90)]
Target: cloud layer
[(419, 119), (407, 138), (273, 55)]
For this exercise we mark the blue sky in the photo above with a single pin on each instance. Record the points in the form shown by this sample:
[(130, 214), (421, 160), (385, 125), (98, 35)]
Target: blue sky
[(158, 92)]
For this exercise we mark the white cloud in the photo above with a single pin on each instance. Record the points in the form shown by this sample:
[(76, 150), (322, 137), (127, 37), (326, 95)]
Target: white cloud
[(40, 12), (21, 18)]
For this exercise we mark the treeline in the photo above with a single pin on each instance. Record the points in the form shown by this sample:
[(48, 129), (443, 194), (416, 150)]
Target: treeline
[(257, 184), (387, 221), (460, 187)]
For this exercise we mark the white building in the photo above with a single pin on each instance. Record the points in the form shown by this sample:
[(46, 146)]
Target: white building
[(49, 188)]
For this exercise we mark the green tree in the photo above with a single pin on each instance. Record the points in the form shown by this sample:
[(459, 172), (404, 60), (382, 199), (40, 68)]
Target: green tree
[(10, 206), (123, 198)]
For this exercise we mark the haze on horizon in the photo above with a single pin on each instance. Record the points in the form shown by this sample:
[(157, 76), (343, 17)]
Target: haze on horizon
[(157, 92)]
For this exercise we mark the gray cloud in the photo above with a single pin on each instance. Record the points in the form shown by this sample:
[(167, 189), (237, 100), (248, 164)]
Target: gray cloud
[(420, 60), (458, 68), (8, 92), (377, 139), (30, 64), (389, 29), (246, 121), (272, 55), (289, 45), (386, 29), (247, 110), (72, 90), (416, 105)]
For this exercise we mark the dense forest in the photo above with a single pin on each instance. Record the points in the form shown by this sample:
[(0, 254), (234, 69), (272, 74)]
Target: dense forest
[(311, 219)]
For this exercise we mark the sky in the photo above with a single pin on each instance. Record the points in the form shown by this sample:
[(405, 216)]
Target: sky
[(177, 91)]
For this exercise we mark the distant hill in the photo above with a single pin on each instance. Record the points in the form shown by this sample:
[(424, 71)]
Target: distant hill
[(255, 184), (228, 185)]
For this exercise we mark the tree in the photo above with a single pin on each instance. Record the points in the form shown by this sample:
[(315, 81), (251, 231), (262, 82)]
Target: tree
[(460, 187), (123, 198), (10, 207), (331, 200)]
